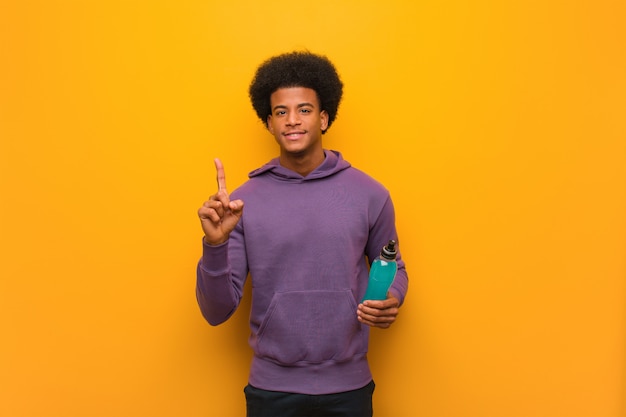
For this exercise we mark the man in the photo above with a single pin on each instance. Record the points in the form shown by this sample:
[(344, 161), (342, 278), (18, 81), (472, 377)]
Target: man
[(311, 226)]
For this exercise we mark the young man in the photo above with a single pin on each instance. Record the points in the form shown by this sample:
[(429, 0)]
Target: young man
[(311, 226)]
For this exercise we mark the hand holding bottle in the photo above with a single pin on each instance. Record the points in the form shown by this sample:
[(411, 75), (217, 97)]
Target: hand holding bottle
[(219, 215), (379, 313), (378, 307)]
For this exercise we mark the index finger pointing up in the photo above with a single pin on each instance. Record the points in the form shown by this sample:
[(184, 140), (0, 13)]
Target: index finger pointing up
[(221, 177)]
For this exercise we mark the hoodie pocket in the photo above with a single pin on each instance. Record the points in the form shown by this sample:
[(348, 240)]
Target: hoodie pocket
[(312, 327)]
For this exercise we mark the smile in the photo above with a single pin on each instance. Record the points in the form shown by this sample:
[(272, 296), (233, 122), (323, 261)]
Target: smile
[(295, 134)]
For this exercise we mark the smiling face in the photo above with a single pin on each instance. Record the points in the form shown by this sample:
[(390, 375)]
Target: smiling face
[(297, 123)]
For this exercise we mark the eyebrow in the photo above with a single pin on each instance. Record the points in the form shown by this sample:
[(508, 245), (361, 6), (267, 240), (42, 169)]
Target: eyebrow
[(282, 106)]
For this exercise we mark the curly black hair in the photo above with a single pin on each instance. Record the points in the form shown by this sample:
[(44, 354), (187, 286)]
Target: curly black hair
[(296, 69)]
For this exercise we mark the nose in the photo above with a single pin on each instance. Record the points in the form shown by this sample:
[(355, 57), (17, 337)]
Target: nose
[(293, 119)]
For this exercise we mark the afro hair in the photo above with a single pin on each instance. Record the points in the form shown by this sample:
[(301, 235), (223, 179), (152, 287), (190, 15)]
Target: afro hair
[(296, 69)]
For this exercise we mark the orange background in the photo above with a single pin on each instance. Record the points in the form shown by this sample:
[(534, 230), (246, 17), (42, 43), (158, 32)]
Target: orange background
[(498, 127)]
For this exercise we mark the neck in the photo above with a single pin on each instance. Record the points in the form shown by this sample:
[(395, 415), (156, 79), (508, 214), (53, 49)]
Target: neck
[(302, 164)]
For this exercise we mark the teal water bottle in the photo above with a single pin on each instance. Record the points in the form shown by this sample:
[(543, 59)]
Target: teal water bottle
[(382, 273)]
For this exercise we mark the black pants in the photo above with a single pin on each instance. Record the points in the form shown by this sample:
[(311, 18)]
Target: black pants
[(261, 403)]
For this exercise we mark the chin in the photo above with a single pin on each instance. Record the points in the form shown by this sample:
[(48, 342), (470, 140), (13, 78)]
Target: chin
[(296, 150)]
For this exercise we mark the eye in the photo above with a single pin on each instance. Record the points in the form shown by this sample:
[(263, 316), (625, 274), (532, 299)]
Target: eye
[(305, 110)]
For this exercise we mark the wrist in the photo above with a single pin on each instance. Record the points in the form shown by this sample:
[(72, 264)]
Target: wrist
[(209, 242)]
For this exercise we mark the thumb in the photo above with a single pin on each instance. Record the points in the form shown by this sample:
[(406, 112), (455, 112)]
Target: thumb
[(236, 207)]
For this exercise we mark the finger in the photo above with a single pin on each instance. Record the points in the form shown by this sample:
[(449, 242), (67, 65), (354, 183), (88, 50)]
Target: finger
[(375, 318), (375, 322), (382, 304), (221, 176), (373, 311), (378, 304), (216, 206), (213, 214), (221, 199), (236, 206)]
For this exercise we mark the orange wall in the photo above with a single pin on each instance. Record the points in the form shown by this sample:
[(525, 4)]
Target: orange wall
[(499, 128)]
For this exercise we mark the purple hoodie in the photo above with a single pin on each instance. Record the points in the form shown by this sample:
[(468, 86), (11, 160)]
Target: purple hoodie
[(307, 243)]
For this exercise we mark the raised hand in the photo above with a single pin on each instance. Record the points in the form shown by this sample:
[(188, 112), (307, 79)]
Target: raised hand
[(218, 215)]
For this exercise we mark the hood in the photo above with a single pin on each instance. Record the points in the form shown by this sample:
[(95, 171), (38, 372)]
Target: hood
[(332, 164)]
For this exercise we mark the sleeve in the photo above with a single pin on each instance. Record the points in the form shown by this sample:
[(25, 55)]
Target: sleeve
[(381, 231), (221, 275)]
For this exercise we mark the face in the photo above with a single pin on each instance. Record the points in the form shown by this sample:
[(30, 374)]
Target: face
[(297, 121)]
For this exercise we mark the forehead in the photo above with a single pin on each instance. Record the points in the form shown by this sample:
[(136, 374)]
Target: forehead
[(294, 96)]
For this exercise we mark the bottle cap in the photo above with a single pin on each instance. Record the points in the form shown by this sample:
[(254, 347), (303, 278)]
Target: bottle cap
[(389, 252)]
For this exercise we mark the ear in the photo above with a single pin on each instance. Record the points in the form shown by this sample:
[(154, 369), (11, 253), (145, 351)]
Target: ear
[(324, 120)]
